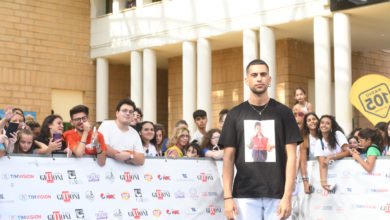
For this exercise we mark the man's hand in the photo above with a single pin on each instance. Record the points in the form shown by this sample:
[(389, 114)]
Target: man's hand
[(230, 209), (86, 127), (284, 208), (122, 156)]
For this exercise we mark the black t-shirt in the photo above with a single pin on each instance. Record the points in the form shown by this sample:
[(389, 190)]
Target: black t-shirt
[(260, 142)]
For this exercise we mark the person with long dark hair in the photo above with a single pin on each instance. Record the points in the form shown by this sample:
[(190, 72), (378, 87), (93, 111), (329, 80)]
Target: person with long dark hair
[(332, 145), (371, 140), (306, 149), (50, 140), (386, 143), (160, 136), (147, 133)]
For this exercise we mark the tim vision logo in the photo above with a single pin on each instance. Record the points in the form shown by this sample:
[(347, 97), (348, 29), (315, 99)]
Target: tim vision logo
[(50, 177), (128, 177)]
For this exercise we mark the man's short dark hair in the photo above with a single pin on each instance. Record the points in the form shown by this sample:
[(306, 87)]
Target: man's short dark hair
[(139, 112), (222, 113), (180, 122), (78, 109), (199, 113), (125, 101), (257, 62), (257, 124)]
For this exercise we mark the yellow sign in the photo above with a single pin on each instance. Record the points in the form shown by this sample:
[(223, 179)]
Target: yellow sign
[(370, 94)]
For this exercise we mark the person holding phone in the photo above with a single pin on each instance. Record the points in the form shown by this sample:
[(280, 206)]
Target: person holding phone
[(84, 139), (50, 139)]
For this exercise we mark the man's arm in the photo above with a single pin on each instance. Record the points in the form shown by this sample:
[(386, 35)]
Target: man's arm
[(138, 159), (227, 174), (101, 157), (284, 209)]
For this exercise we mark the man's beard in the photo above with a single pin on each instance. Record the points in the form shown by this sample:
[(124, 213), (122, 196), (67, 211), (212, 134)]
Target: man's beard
[(257, 92)]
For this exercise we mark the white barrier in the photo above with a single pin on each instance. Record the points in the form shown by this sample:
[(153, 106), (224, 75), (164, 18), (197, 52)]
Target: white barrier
[(70, 188), (357, 194)]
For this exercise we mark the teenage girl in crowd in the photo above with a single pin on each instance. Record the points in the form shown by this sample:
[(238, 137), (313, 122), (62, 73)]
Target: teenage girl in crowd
[(146, 131), (50, 140), (353, 142), (306, 150), (371, 140), (192, 150), (160, 136), (301, 105), (23, 142), (210, 146), (177, 142), (332, 145), (386, 143)]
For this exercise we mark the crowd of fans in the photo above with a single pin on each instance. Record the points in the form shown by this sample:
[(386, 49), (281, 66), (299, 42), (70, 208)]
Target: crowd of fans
[(127, 138), (130, 139)]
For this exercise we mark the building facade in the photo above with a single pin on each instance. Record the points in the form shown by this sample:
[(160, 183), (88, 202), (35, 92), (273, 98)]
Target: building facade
[(175, 56)]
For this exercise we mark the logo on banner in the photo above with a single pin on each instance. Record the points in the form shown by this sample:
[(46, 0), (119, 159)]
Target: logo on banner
[(148, 177), (156, 212), (89, 195), (118, 213), (138, 214), (101, 215), (184, 177), (358, 206), (110, 177), (107, 196), (377, 190), (5, 176), (67, 196), (204, 177), (79, 213), (173, 212), (93, 177), (193, 193), (128, 177), (386, 208), (138, 195), (160, 195), (72, 177), (25, 197), (50, 177), (179, 195), (57, 215), (213, 210), (193, 211), (14, 217), (125, 195), (163, 177), (206, 194)]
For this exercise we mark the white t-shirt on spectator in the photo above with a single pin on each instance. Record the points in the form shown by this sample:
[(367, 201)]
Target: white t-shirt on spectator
[(312, 147), (340, 141), (119, 140), (152, 152), (197, 136)]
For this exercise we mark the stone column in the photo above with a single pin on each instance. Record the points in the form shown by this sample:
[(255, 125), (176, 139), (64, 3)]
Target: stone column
[(101, 89), (204, 77), (250, 52), (267, 53), (136, 76), (150, 86), (189, 82)]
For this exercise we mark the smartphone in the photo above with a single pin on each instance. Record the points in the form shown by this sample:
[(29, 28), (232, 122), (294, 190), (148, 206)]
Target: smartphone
[(56, 136), (12, 127)]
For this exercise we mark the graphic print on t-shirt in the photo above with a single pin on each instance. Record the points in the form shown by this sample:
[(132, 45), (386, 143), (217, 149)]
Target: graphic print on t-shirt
[(259, 141)]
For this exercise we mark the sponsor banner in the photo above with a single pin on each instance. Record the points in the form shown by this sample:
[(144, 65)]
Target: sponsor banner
[(34, 187), (354, 194)]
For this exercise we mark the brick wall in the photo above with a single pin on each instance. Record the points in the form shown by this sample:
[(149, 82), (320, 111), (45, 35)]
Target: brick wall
[(294, 66), (44, 45)]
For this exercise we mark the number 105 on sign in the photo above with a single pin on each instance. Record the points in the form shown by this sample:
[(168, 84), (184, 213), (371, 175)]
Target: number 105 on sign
[(376, 100)]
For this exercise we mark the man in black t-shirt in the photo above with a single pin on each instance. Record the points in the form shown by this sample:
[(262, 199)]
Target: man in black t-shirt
[(265, 163)]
